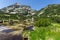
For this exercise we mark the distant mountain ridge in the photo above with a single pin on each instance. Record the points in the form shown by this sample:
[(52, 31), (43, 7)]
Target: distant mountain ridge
[(50, 10)]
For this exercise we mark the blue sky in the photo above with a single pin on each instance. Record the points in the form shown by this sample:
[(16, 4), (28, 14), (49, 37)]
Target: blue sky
[(35, 4)]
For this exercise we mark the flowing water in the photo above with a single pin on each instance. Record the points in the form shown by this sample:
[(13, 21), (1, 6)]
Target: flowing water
[(5, 29)]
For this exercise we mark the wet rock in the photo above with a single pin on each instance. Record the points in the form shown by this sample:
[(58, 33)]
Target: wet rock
[(29, 28), (8, 31), (5, 36)]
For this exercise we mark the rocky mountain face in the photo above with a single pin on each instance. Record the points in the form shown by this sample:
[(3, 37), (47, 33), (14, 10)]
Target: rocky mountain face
[(51, 10), (17, 8)]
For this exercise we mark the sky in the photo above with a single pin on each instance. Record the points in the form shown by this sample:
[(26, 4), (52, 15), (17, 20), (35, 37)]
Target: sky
[(35, 4)]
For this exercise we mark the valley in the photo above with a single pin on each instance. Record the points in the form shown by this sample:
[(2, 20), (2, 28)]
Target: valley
[(22, 20)]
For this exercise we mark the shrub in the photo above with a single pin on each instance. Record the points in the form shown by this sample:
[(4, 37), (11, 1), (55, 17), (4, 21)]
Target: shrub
[(43, 22), (56, 19)]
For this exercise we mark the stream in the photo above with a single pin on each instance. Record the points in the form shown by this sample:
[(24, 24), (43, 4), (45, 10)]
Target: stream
[(5, 29)]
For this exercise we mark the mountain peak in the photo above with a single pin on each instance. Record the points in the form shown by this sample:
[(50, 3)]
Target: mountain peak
[(17, 3)]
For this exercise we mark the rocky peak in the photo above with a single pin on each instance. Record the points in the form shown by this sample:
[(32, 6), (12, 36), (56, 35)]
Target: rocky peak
[(14, 8)]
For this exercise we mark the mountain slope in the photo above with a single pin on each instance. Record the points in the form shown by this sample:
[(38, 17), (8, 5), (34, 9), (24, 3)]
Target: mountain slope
[(50, 11), (22, 13)]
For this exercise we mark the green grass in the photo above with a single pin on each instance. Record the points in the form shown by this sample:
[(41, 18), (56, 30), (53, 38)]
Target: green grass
[(51, 32)]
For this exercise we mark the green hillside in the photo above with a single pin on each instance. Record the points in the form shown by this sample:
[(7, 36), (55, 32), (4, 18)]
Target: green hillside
[(6, 16), (17, 16), (50, 10)]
